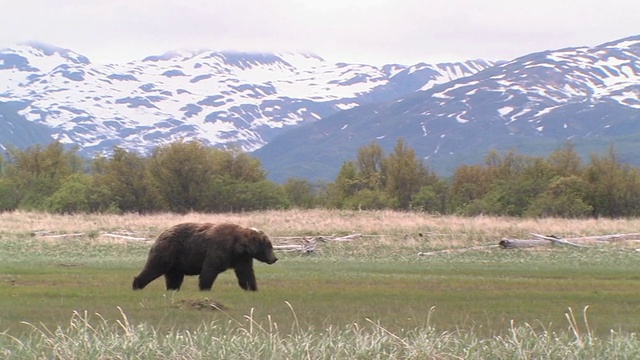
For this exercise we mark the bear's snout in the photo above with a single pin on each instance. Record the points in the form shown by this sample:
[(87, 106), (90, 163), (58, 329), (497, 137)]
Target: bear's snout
[(270, 259)]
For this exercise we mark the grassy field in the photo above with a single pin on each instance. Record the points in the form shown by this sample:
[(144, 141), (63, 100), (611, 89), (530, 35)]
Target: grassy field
[(375, 285)]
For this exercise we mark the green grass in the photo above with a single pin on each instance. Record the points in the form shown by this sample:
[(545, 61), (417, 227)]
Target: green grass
[(483, 293)]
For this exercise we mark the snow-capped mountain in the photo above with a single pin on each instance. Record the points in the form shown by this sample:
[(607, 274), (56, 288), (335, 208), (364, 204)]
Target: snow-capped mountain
[(303, 116), (221, 98), (533, 104)]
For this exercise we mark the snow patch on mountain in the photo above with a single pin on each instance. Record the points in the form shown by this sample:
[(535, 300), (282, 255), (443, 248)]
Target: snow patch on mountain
[(221, 98), (533, 103)]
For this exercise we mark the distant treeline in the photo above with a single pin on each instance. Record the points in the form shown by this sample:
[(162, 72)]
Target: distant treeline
[(188, 176)]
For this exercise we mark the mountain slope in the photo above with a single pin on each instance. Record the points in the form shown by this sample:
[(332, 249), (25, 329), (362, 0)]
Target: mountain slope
[(590, 96), (304, 117), (221, 98)]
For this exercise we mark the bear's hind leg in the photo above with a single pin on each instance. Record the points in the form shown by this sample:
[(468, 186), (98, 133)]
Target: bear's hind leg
[(174, 280), (207, 278)]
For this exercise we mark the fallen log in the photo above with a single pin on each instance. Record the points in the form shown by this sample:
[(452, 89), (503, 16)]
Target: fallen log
[(308, 246), (323, 238), (62, 235), (605, 238), (542, 240), (457, 250), (124, 237), (290, 248), (557, 240), (286, 238), (522, 243), (341, 238)]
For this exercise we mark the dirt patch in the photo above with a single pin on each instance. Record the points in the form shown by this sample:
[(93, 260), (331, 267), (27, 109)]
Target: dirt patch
[(68, 265), (199, 304), (8, 279)]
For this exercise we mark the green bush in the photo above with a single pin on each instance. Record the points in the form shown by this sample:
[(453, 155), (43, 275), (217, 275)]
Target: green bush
[(564, 197), (77, 195), (370, 200), (9, 198)]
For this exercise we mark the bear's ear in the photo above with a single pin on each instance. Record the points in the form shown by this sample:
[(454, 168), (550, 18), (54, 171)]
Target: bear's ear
[(258, 234), (256, 238)]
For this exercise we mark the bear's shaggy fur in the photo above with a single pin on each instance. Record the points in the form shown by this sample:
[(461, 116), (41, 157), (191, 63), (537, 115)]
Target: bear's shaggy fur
[(206, 250)]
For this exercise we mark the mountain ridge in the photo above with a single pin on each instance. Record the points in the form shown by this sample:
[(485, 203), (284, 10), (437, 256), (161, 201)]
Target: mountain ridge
[(533, 104), (221, 98), (303, 116)]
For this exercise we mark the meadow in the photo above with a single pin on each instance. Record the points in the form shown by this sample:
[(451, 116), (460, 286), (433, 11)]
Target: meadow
[(371, 297)]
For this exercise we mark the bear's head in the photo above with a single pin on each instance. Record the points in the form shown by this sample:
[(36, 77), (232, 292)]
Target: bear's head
[(261, 247)]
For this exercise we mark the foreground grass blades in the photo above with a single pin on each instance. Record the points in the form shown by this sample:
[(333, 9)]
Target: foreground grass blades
[(94, 337)]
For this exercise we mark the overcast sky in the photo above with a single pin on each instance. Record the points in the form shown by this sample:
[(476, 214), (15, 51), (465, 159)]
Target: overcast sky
[(366, 31)]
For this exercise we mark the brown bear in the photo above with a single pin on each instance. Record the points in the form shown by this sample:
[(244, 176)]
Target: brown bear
[(206, 250)]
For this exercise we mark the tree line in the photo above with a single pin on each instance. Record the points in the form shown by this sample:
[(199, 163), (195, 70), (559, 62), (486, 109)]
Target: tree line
[(187, 176)]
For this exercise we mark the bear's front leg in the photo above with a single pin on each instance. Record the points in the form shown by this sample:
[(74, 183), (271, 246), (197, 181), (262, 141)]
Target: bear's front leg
[(246, 276), (145, 277)]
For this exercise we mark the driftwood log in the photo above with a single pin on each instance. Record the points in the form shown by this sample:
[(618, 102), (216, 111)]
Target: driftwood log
[(581, 241), (46, 234), (539, 240), (307, 245), (522, 243), (457, 250), (606, 238), (542, 240), (124, 237)]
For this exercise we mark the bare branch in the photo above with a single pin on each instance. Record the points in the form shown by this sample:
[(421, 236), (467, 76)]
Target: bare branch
[(124, 237), (557, 240)]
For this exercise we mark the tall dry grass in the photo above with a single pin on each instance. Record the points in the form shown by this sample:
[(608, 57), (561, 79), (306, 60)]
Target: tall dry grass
[(95, 337), (450, 230)]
